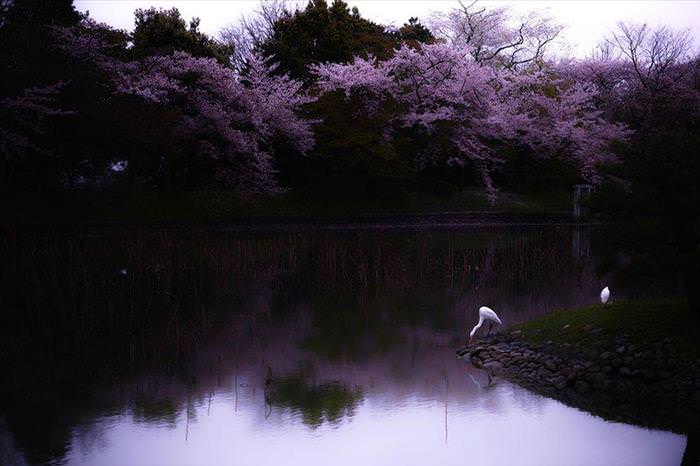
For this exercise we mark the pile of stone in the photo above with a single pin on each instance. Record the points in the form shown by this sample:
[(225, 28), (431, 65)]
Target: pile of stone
[(612, 374)]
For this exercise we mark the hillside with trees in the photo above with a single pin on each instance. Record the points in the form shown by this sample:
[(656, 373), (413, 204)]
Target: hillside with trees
[(323, 103)]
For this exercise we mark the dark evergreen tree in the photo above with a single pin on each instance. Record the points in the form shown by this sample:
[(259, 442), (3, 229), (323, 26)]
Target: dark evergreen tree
[(325, 33), (161, 32), (413, 33), (53, 12)]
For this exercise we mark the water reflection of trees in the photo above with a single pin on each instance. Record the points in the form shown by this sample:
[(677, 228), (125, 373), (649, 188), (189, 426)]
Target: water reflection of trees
[(66, 294), (155, 410), (40, 429), (325, 402), (368, 310)]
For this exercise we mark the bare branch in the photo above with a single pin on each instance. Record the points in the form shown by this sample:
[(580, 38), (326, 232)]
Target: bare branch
[(654, 54), (494, 36), (253, 30)]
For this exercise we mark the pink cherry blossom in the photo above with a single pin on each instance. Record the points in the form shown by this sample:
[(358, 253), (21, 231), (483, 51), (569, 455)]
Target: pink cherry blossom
[(234, 119), (22, 119), (441, 87)]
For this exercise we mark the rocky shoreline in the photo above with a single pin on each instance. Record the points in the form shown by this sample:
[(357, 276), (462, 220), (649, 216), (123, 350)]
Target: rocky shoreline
[(614, 378)]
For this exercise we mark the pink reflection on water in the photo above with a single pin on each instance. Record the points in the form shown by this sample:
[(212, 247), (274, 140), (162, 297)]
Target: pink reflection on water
[(526, 430)]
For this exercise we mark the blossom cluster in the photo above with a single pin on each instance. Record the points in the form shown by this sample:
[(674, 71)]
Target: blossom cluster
[(234, 120), (441, 86)]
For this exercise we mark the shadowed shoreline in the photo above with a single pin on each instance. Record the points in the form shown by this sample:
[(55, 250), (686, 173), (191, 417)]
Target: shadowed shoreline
[(378, 222)]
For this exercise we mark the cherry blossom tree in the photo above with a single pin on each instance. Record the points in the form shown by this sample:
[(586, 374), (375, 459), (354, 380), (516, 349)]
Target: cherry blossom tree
[(442, 88), (224, 121), (92, 44), (229, 119), (556, 116), (250, 32), (495, 35), (22, 124), (653, 54), (650, 79)]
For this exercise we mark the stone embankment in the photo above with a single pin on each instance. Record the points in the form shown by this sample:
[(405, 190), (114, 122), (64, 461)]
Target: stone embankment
[(614, 378)]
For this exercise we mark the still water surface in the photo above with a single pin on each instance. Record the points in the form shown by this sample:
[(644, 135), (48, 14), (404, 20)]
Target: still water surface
[(305, 348)]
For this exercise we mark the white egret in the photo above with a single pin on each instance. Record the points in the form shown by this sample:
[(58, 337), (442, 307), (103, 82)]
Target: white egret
[(485, 315), (119, 166), (605, 295)]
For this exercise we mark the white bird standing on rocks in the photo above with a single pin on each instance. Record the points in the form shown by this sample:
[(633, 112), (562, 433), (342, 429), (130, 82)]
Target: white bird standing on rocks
[(485, 314), (605, 295)]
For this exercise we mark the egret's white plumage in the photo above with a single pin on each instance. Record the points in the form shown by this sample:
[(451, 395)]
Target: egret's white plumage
[(605, 295), (486, 314)]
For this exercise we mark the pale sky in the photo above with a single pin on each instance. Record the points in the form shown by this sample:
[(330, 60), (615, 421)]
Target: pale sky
[(586, 21)]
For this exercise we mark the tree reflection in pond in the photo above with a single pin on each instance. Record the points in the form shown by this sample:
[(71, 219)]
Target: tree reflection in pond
[(354, 325), (326, 402), (157, 411)]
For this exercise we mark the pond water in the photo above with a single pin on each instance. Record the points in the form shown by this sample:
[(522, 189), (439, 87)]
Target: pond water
[(303, 348)]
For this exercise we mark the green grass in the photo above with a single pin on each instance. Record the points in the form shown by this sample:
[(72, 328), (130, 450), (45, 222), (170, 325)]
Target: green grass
[(646, 322), (203, 206)]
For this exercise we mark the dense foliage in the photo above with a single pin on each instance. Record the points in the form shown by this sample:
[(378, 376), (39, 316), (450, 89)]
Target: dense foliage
[(165, 113), (650, 80), (170, 108), (441, 92), (324, 33), (161, 32), (323, 100)]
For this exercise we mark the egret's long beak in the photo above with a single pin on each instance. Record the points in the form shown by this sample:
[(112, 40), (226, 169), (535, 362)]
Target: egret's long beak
[(469, 342)]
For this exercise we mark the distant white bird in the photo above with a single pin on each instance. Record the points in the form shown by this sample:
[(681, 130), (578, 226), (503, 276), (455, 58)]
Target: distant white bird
[(485, 315), (119, 166), (605, 295)]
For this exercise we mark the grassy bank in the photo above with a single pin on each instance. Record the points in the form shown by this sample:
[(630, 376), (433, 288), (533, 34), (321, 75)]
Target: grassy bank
[(643, 322), (635, 362), (203, 206)]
